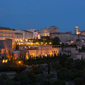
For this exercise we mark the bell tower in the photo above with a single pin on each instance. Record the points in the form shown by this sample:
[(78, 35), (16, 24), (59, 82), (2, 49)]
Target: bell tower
[(76, 30)]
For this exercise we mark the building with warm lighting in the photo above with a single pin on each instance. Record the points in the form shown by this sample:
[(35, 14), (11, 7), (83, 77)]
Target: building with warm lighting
[(23, 54), (69, 38), (26, 34), (5, 48), (79, 32), (64, 37), (44, 51), (47, 31), (18, 37), (35, 33), (7, 33)]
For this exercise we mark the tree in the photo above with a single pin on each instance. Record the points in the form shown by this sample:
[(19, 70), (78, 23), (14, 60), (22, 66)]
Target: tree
[(56, 66), (36, 69), (62, 60), (63, 74), (48, 68), (58, 82), (46, 38), (56, 41), (78, 81), (8, 82), (68, 63), (79, 64)]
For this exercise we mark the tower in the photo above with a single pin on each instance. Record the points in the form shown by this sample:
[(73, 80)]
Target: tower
[(76, 30)]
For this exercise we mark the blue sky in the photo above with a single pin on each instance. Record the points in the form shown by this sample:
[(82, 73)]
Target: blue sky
[(37, 14)]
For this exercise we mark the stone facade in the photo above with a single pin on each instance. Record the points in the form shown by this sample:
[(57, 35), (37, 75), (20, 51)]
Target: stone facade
[(18, 37), (47, 31), (6, 48), (35, 33), (79, 32), (7, 33), (44, 51), (26, 34)]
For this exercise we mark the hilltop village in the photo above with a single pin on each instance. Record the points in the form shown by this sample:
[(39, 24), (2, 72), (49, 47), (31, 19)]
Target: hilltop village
[(28, 57), (31, 43)]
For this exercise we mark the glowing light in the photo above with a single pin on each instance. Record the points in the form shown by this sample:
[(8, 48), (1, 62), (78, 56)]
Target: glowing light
[(26, 40), (19, 62), (27, 57), (45, 55), (38, 36), (46, 43), (50, 54), (21, 40), (41, 43), (77, 33), (72, 41), (33, 55), (82, 40), (50, 42), (31, 43), (37, 43), (25, 47), (60, 42), (4, 61)]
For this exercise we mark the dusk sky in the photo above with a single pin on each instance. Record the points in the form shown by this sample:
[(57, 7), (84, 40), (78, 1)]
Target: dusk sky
[(37, 14)]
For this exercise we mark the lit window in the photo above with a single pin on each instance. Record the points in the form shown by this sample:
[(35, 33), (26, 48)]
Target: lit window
[(82, 40)]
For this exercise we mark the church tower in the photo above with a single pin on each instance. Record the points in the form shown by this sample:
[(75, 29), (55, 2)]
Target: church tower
[(76, 30)]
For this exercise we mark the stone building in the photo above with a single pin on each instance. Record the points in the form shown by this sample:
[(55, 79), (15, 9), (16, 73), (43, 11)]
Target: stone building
[(79, 32), (7, 33), (26, 34), (44, 51), (6, 48), (64, 37), (47, 31), (69, 38), (18, 37), (35, 33)]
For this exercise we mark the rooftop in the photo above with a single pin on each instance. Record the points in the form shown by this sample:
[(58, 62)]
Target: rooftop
[(5, 28)]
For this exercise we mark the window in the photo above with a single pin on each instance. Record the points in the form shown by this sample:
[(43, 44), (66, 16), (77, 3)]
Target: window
[(82, 40), (34, 30)]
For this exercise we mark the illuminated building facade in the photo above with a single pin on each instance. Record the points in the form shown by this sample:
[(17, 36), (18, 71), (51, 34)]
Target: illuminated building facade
[(26, 34), (20, 54), (7, 33), (35, 33), (41, 50), (18, 37), (47, 31), (79, 32), (6, 48)]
